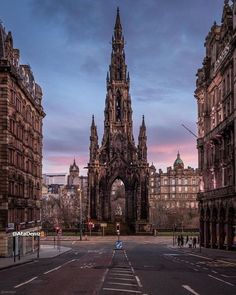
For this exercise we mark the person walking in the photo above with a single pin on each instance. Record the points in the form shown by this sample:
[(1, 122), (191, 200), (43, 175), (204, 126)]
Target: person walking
[(190, 243), (186, 239), (178, 240), (194, 242)]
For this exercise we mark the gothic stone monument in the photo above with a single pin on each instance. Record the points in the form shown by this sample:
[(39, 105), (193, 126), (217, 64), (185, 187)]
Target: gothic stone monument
[(118, 158)]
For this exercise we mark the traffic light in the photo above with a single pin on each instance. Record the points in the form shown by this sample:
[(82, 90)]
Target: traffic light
[(118, 228)]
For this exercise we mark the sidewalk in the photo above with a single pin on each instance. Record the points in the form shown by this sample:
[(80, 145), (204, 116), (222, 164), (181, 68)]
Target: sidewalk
[(46, 251), (216, 254)]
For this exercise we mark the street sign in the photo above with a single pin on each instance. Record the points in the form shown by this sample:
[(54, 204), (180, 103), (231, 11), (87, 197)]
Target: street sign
[(118, 245), (103, 224)]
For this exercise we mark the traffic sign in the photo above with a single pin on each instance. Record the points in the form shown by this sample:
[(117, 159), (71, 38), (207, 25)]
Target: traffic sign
[(119, 245), (103, 224)]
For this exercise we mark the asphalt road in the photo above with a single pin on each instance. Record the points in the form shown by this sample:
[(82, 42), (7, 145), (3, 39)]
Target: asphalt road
[(142, 267)]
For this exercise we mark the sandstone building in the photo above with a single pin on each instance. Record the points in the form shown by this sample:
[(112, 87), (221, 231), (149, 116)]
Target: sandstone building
[(173, 196), (21, 116), (61, 202), (215, 94)]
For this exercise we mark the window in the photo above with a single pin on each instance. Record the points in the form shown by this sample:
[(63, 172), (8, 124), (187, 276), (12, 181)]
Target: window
[(179, 189), (185, 188), (173, 181), (173, 189)]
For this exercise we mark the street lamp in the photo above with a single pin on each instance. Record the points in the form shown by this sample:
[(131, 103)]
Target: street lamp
[(80, 214)]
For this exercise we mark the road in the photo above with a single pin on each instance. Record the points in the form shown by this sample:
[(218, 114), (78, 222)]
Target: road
[(144, 266)]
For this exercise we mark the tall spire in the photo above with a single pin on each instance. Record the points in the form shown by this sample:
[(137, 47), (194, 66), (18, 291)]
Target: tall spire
[(142, 142), (118, 26), (93, 140)]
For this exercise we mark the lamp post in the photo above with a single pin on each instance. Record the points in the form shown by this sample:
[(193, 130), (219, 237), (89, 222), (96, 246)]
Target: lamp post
[(80, 214)]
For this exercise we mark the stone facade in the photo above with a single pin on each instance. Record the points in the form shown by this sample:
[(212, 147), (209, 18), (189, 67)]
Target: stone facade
[(61, 204), (118, 157), (215, 94), (21, 116), (173, 196)]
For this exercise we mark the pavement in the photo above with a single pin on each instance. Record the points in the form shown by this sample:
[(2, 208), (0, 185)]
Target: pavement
[(46, 251), (229, 256)]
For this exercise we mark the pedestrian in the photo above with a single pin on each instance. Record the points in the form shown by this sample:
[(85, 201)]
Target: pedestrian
[(194, 242), (186, 239), (178, 240), (190, 243), (182, 240)]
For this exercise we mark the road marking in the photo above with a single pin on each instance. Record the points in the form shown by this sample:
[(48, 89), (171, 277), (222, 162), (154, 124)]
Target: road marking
[(201, 256), (17, 286), (122, 284), (73, 242), (190, 289), (195, 269), (121, 290), (226, 276), (104, 275), (205, 268), (214, 271), (227, 262), (220, 280), (138, 281), (124, 274), (56, 268), (121, 270), (123, 279)]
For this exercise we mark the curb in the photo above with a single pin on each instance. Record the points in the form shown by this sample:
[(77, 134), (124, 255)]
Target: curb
[(17, 264), (32, 260)]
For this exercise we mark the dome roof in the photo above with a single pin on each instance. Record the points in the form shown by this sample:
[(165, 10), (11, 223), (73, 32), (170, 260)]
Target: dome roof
[(178, 162)]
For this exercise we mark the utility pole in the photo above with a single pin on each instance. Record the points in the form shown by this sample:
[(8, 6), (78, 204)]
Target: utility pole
[(80, 214)]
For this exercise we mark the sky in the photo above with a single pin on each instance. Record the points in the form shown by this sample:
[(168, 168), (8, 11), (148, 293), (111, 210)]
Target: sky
[(67, 43)]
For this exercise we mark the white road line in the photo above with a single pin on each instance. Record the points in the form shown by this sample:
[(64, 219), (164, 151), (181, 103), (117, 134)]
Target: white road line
[(132, 269), (201, 256), (124, 274), (122, 290), (205, 268), (138, 281), (73, 242), (121, 270), (226, 276), (190, 289), (195, 269), (56, 268), (227, 262), (220, 280), (214, 271), (121, 279), (17, 286), (122, 284), (104, 276)]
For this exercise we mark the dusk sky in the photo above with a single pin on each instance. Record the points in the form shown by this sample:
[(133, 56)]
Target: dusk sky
[(67, 44)]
